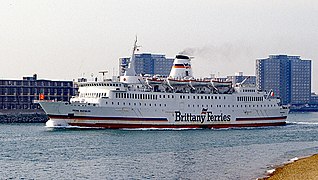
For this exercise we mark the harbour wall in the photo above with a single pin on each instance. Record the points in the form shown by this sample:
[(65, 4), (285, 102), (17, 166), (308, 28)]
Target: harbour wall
[(23, 116)]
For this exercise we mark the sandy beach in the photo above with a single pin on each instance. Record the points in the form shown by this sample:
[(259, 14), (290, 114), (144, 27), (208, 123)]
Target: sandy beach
[(305, 168)]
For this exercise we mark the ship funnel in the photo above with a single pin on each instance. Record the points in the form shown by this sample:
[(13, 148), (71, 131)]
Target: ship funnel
[(181, 67)]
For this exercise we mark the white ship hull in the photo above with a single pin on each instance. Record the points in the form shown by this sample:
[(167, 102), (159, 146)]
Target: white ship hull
[(173, 113)]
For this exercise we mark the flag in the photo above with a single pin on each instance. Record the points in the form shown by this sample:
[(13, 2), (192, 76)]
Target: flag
[(41, 96)]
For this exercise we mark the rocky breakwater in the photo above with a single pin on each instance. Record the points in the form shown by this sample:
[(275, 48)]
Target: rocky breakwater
[(23, 117)]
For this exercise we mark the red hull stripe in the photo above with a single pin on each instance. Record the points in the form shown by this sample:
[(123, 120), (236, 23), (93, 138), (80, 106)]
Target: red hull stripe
[(107, 118), (171, 126), (261, 119), (181, 66)]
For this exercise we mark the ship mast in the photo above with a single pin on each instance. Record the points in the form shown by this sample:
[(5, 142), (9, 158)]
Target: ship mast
[(130, 71), (130, 75)]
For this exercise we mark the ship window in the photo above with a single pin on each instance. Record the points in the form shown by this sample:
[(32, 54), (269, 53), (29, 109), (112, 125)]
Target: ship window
[(159, 96), (112, 103), (134, 104), (165, 105), (193, 97), (106, 102), (228, 106), (172, 96), (118, 103), (160, 105), (168, 96), (188, 97), (211, 105), (219, 97)]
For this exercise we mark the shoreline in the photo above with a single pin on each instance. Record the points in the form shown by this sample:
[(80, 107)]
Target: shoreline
[(296, 168)]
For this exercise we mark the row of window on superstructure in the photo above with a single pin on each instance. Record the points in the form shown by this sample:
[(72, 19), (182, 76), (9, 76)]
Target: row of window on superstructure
[(102, 84), (248, 90), (92, 95), (202, 97), (249, 98), (193, 105), (152, 96), (136, 96)]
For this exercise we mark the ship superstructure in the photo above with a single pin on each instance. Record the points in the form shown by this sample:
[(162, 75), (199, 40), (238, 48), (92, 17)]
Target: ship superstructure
[(178, 101)]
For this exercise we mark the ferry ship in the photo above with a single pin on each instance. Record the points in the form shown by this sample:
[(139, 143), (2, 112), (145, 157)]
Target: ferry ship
[(178, 101)]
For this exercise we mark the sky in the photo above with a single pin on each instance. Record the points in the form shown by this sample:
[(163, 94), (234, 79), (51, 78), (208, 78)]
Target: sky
[(59, 39)]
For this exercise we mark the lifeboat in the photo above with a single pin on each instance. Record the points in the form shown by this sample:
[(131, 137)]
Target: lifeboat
[(154, 81), (178, 82), (199, 82), (221, 86)]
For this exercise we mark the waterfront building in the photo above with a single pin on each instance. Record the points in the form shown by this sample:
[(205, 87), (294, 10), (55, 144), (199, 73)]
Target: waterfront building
[(289, 77), (150, 64), (20, 94), (314, 99)]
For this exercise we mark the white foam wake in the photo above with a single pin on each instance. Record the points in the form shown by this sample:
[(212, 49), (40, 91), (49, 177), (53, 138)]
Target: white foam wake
[(302, 123)]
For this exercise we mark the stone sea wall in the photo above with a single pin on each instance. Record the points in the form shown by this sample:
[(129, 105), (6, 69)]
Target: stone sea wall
[(23, 118)]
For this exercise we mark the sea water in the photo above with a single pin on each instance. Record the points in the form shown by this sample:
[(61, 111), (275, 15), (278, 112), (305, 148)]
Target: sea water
[(32, 151)]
